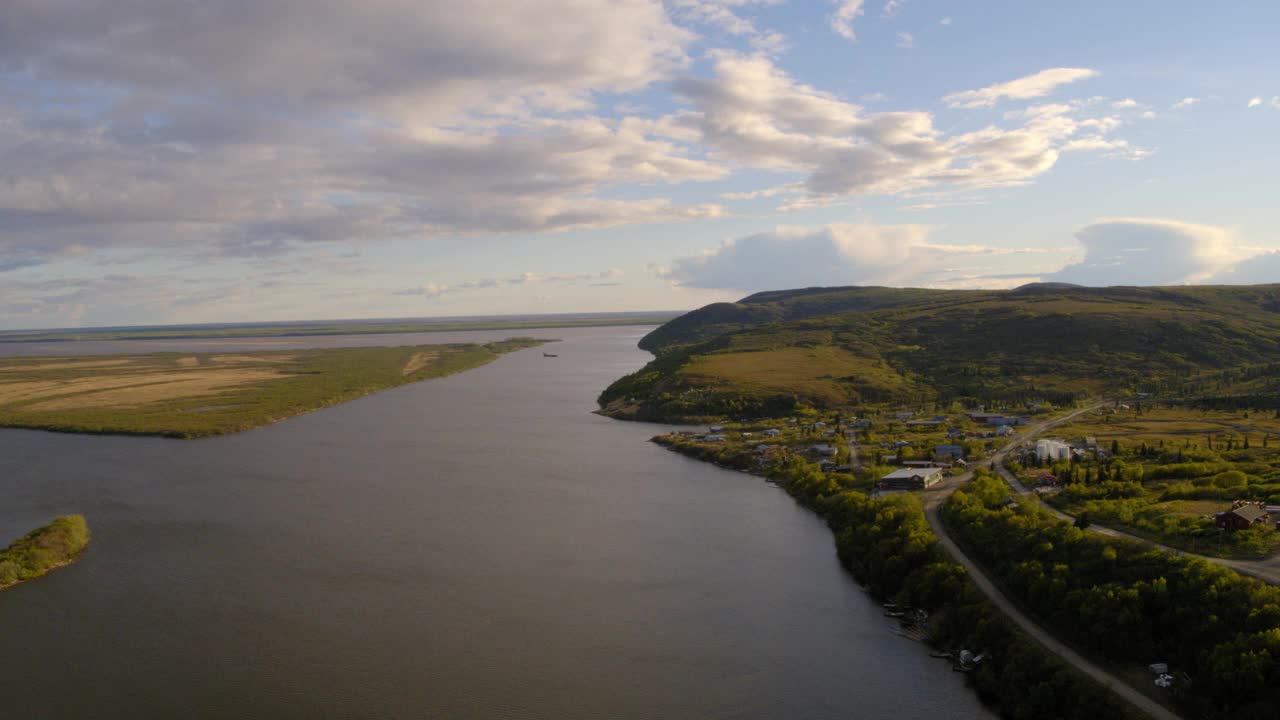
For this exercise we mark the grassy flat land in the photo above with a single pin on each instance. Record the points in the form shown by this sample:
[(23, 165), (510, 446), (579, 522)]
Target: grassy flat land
[(1169, 469), (824, 372), (195, 395), (336, 328)]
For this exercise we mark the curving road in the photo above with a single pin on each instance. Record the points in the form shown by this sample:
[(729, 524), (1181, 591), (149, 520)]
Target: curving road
[(1266, 570), (933, 501)]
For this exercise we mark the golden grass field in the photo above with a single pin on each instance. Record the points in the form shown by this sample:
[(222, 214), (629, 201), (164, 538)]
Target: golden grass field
[(191, 395), (827, 373)]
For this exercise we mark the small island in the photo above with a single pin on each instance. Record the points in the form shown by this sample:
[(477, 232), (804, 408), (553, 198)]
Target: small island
[(57, 544), (191, 395)]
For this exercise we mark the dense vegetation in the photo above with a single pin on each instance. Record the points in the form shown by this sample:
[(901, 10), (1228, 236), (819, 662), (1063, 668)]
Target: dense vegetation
[(195, 395), (1219, 631), (1168, 469), (888, 546), (869, 345), (36, 553)]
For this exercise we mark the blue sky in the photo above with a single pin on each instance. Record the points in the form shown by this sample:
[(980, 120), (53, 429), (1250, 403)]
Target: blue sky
[(295, 159)]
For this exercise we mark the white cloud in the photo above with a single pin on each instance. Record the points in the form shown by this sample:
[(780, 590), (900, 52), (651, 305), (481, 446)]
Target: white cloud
[(1260, 269), (906, 40), (842, 18), (838, 254), (1125, 104), (753, 114), (1185, 102), (240, 128), (721, 14), (1255, 102), (1142, 251), (433, 290), (892, 8), (945, 21), (1024, 88)]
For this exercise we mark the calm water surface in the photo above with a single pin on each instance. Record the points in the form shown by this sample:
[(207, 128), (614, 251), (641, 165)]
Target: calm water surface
[(479, 546)]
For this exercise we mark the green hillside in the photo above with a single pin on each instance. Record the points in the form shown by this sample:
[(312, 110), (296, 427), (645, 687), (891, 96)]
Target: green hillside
[(835, 347)]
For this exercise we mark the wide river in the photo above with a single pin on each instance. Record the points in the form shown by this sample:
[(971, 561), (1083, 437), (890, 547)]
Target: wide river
[(479, 546)]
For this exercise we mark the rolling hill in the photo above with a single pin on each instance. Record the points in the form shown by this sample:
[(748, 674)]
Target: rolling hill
[(770, 353)]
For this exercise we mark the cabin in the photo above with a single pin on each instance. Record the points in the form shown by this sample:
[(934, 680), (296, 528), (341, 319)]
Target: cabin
[(823, 450), (712, 438), (911, 479), (772, 432), (923, 423), (903, 415), (1241, 518), (1004, 431)]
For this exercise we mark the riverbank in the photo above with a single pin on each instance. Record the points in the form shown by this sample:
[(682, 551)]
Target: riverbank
[(43, 550), (191, 395), (887, 544)]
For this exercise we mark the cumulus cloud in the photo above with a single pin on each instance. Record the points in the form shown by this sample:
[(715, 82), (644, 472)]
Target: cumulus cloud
[(842, 18), (1137, 251), (1024, 88), (751, 113), (906, 40), (1185, 102), (1257, 270), (892, 8), (838, 254), (1254, 102), (240, 127)]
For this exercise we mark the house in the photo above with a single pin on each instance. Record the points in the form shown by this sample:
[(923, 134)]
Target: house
[(1242, 517), (819, 425), (901, 444), (716, 428), (861, 424), (762, 448), (890, 459), (918, 463), (903, 415), (1052, 450), (960, 463), (948, 452), (1004, 431), (923, 423), (714, 437), (1005, 420), (1047, 479), (955, 434), (982, 417), (823, 450), (911, 479), (772, 432)]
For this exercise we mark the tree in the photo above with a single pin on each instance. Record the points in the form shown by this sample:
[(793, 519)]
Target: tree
[(1082, 520)]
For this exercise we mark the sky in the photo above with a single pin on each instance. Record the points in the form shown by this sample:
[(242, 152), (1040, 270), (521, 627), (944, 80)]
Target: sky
[(253, 160)]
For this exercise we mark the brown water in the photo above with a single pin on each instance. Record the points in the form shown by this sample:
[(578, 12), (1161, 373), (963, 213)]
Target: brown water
[(479, 546)]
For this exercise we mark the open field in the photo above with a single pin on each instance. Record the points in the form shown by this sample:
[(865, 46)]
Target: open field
[(186, 395), (354, 327), (1165, 471)]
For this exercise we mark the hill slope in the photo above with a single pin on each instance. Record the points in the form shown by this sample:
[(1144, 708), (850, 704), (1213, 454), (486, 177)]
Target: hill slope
[(832, 347)]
